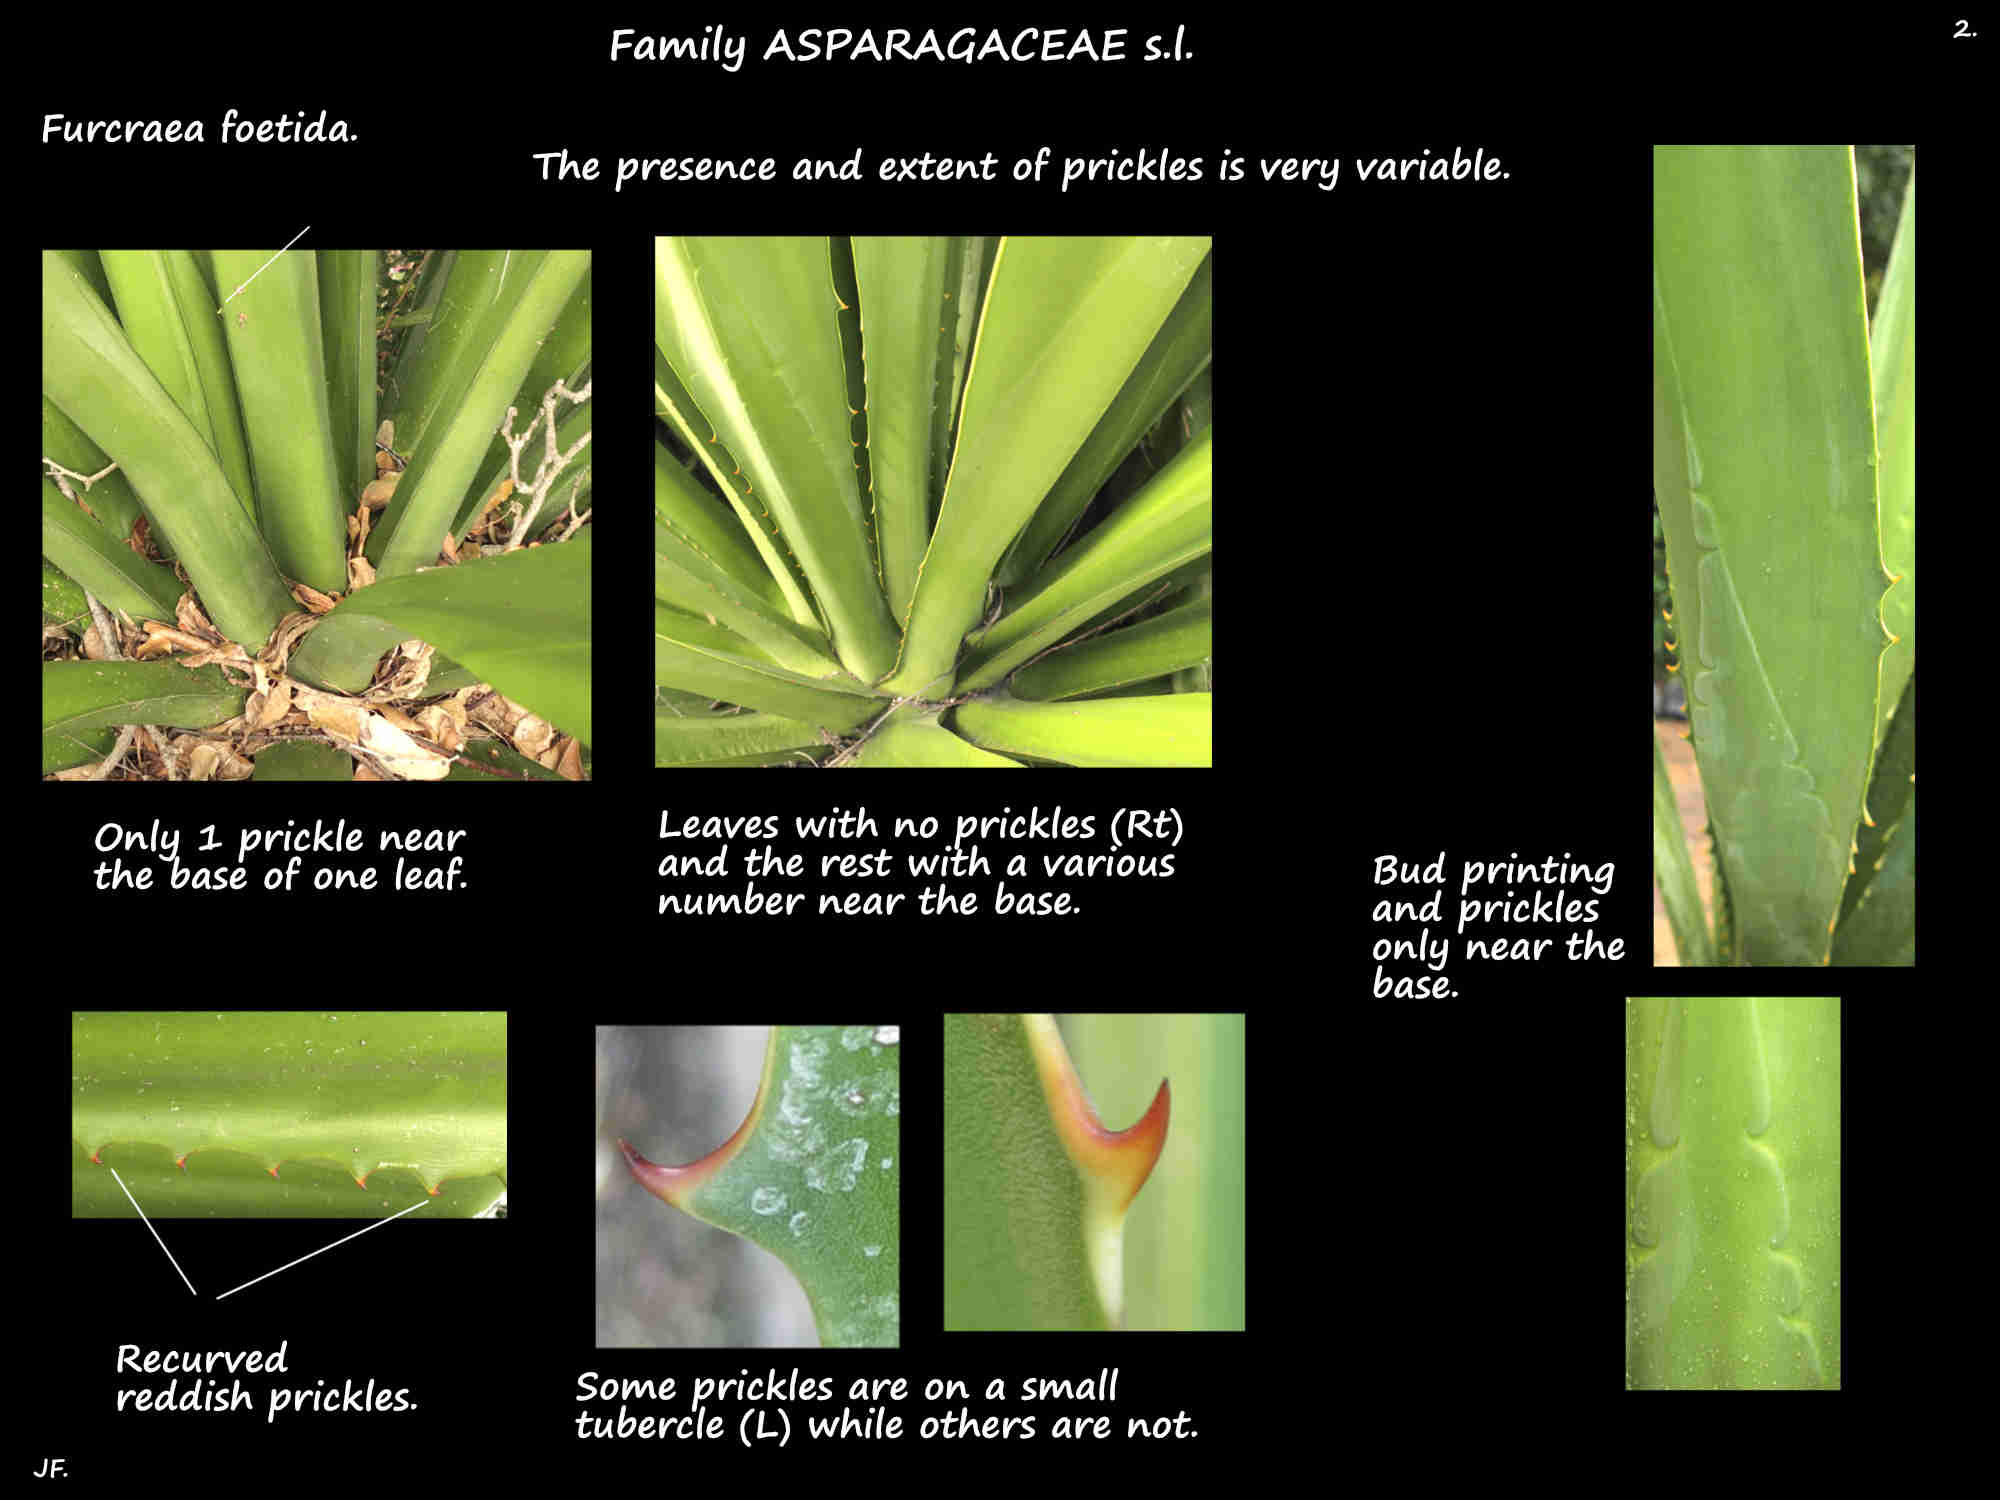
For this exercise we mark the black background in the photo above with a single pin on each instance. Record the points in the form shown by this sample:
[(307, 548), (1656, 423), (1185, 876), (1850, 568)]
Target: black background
[(1436, 510)]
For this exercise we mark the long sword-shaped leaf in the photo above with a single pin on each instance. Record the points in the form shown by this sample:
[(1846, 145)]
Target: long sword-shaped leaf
[(1166, 643), (693, 656), (1180, 351), (970, 270), (89, 264), (681, 504), (1892, 352), (464, 294), (1172, 729), (1065, 322), (1165, 526), (681, 741), (1763, 464), (277, 352), (521, 621), (166, 310), (672, 402), (688, 580), (110, 496), (902, 281), (102, 563), (750, 327), (83, 695), (1732, 1194), (347, 325), (565, 357), (427, 501), (90, 371)]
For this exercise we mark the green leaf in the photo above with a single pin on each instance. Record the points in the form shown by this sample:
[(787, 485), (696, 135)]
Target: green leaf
[(565, 357), (62, 600), (168, 314), (1892, 353), (81, 695), (303, 760), (812, 1176), (102, 563), (1065, 321), (1035, 1188), (750, 327), (1180, 351), (473, 402), (277, 352), (1168, 642), (695, 657), (902, 281), (1764, 467), (573, 423), (1171, 729), (1732, 1201), (110, 496), (682, 506), (677, 408), (1878, 911), (349, 1114), (696, 584), (914, 738), (1167, 525), (347, 287), (1185, 1248), (729, 740), (521, 621), (90, 371)]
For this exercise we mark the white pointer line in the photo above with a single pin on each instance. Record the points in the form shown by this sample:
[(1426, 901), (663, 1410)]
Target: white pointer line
[(261, 269), (154, 1232), (324, 1248)]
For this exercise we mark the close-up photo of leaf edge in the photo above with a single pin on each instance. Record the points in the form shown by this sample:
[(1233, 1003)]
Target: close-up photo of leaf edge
[(812, 1175), (329, 503), (287, 1114), (1037, 1190), (1732, 1193), (933, 501), (1784, 471)]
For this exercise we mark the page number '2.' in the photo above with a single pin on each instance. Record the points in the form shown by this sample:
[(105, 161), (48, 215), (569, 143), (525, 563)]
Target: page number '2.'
[(1961, 30)]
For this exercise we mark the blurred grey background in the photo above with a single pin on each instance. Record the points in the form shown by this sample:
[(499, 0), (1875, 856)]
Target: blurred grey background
[(665, 1280)]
